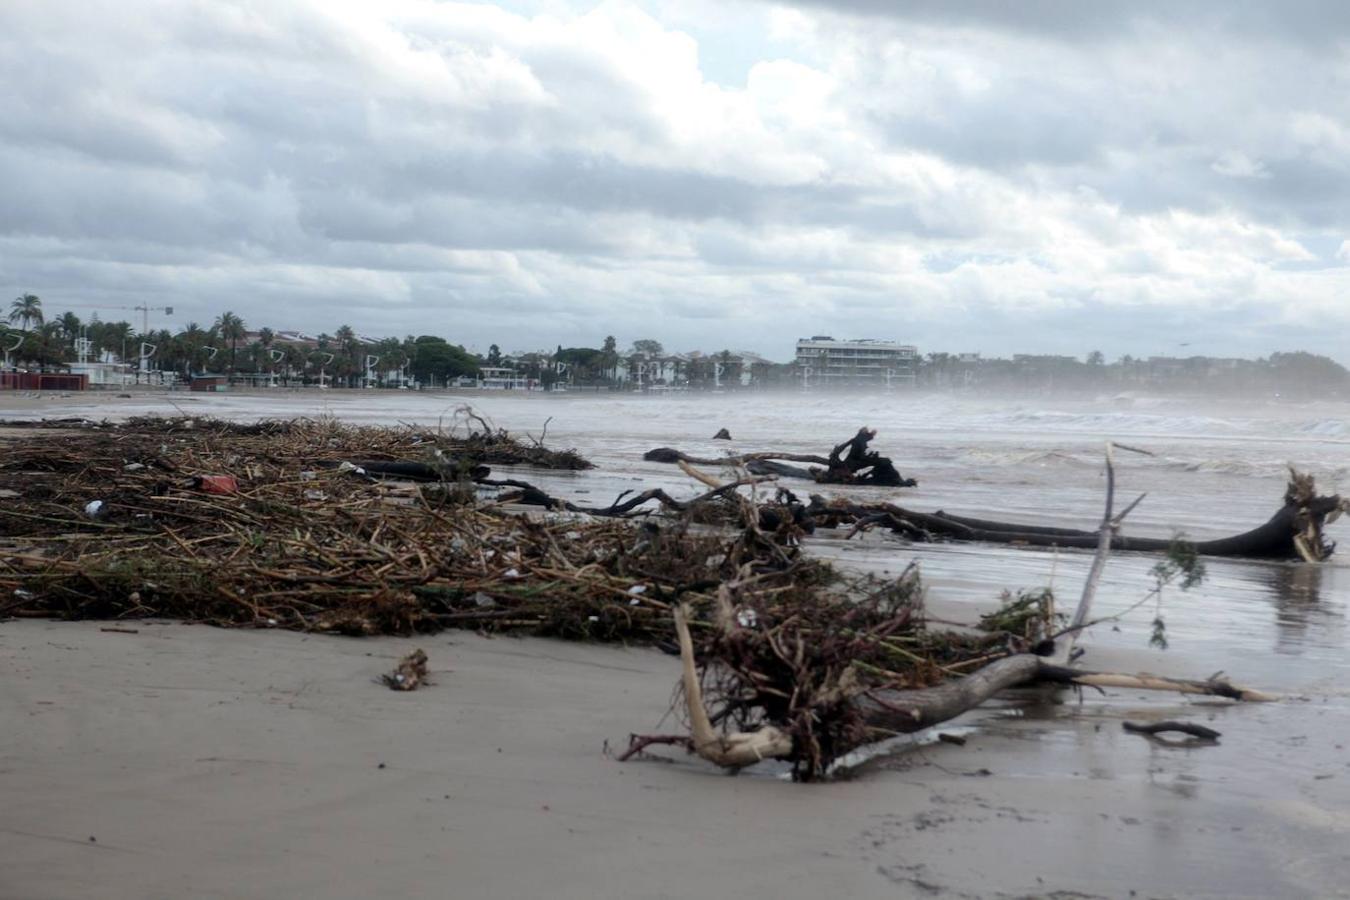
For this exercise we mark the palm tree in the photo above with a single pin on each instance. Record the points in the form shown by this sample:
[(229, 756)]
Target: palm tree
[(346, 362), (392, 358), (191, 344), (263, 359), (231, 328), (26, 309), (69, 323), (295, 361), (115, 337), (43, 345)]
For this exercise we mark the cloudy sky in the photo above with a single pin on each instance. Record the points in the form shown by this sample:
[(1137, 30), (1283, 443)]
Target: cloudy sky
[(988, 176)]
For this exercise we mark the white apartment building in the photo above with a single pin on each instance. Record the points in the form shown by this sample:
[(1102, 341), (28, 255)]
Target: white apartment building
[(825, 362)]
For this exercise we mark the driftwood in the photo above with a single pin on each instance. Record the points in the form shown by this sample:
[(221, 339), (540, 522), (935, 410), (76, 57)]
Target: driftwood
[(906, 711), (407, 470), (626, 504), (817, 698), (1295, 531), (1157, 728), (850, 462)]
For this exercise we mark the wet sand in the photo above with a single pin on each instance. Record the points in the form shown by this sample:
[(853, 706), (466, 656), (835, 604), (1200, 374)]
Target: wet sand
[(213, 763), (246, 764)]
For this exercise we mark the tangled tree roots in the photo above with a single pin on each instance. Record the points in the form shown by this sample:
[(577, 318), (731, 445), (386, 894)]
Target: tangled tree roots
[(811, 687)]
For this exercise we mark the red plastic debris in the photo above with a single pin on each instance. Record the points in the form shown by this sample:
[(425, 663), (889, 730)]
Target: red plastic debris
[(217, 484)]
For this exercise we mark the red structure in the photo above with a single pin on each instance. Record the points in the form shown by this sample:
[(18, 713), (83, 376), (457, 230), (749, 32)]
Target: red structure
[(42, 381), (212, 383)]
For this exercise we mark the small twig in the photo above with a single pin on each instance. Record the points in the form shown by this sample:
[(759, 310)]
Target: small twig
[(637, 743)]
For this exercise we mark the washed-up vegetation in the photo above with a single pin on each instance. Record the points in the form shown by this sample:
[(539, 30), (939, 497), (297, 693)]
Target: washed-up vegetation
[(327, 527)]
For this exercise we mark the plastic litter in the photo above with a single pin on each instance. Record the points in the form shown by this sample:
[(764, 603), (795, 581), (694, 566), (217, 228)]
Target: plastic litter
[(216, 484)]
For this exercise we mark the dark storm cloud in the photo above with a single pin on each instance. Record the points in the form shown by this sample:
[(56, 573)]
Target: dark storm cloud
[(1310, 21)]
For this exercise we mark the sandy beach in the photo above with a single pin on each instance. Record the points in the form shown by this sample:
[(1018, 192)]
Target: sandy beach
[(249, 763), (192, 761)]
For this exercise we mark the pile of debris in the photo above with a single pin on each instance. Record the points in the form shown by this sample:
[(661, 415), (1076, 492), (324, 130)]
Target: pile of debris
[(321, 526)]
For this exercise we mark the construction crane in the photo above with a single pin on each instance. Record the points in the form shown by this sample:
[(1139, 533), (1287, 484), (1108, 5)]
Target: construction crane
[(144, 309), (143, 364)]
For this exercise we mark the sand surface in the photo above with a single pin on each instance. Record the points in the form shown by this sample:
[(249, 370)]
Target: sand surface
[(214, 763)]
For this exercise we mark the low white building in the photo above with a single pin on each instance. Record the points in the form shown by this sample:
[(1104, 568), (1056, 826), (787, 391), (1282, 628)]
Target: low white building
[(501, 378), (105, 374)]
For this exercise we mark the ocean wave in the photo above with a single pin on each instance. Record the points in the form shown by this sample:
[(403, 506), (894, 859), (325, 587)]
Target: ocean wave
[(987, 457), (1122, 422), (1323, 428), (1244, 468)]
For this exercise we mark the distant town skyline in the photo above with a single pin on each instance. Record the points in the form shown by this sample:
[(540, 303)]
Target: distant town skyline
[(1043, 177)]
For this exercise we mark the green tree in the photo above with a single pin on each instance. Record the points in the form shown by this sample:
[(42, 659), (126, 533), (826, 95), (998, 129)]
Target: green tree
[(294, 361), (44, 345), (390, 354), (113, 336), (649, 347), (70, 325), (1307, 374), (435, 358), (346, 366), (27, 310), (191, 348), (584, 364), (231, 329)]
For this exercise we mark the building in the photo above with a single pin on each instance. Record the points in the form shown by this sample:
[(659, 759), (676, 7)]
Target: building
[(824, 362), (645, 370), (501, 378), (104, 374)]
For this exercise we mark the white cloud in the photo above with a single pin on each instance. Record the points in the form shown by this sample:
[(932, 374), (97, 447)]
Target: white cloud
[(947, 176), (1236, 164)]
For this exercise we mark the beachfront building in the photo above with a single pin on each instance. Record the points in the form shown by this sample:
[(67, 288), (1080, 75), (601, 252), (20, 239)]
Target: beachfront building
[(650, 370), (501, 378), (825, 362)]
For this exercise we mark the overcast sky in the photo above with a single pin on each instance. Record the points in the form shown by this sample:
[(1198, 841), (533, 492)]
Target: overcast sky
[(987, 176)]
